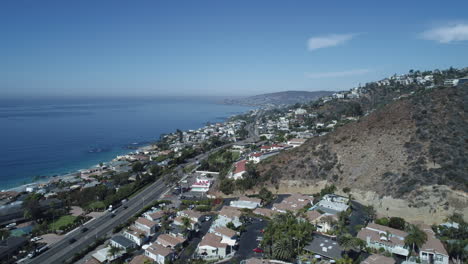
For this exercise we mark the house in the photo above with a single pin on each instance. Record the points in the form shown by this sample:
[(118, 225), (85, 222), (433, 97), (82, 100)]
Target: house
[(141, 259), (246, 202), (294, 203), (226, 215), (170, 241), (159, 253), (194, 225), (155, 216), (323, 222), (433, 251), (296, 142), (463, 80), (211, 247), (332, 204), (451, 82), (191, 214), (324, 247), (201, 185), (255, 157), (264, 212), (229, 236), (122, 242), (103, 255), (239, 170), (136, 235), (390, 239), (147, 226), (378, 259), (262, 261)]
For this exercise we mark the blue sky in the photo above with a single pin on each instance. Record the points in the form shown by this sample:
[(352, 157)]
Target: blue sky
[(221, 47)]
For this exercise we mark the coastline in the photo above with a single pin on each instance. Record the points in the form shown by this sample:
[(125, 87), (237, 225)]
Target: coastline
[(73, 174)]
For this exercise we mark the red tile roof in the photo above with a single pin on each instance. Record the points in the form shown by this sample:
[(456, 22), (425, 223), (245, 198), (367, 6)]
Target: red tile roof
[(240, 166)]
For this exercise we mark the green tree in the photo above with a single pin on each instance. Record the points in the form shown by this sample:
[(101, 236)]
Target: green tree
[(415, 238), (137, 167), (265, 195), (226, 186), (113, 251), (397, 222), (371, 214), (283, 249)]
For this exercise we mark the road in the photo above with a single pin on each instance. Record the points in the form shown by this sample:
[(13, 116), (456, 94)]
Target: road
[(100, 227)]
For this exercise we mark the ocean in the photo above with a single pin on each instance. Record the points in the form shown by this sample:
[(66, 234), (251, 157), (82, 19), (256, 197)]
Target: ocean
[(55, 136)]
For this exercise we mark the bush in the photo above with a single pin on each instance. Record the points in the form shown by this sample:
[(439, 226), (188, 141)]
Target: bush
[(382, 221)]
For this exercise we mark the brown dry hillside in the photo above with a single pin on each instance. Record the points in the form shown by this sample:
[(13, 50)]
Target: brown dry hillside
[(395, 151)]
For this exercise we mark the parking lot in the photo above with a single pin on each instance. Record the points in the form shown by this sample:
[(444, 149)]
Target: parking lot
[(248, 240)]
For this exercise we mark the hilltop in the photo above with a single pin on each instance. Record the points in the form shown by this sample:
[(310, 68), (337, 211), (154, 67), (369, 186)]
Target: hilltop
[(413, 148), (280, 98)]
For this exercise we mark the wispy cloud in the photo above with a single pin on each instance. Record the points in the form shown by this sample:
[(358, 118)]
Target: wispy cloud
[(320, 75), (331, 40), (447, 34)]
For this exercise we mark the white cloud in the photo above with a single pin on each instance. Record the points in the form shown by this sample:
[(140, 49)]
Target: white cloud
[(331, 40), (447, 34), (319, 75)]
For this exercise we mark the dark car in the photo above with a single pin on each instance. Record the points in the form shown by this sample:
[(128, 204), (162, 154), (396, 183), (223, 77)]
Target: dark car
[(72, 240), (84, 229)]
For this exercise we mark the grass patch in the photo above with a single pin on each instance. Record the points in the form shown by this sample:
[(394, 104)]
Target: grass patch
[(62, 222)]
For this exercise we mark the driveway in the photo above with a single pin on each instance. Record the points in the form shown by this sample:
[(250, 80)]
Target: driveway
[(357, 217), (248, 240)]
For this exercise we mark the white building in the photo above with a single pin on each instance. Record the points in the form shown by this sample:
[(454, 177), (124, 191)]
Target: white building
[(103, 255), (145, 225), (159, 253), (296, 142), (136, 235), (201, 185), (390, 239), (246, 202), (433, 251), (212, 247)]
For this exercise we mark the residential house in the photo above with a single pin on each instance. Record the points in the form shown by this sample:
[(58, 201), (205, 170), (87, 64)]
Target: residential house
[(332, 204), (136, 235), (294, 203), (264, 212), (147, 226), (122, 242), (160, 254), (239, 170), (433, 251), (296, 142), (229, 236), (246, 202), (170, 241), (226, 215), (378, 259), (390, 239), (103, 255), (212, 247), (323, 222), (141, 259), (324, 247), (194, 225), (155, 216), (192, 214)]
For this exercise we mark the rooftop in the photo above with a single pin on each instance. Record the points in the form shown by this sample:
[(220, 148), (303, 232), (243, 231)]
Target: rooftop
[(324, 247), (159, 250), (378, 259)]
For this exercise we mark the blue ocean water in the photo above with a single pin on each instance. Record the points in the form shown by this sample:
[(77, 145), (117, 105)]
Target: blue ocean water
[(53, 136)]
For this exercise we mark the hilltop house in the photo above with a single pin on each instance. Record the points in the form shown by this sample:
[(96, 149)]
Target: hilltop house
[(390, 239), (246, 202), (433, 251), (332, 204), (239, 170), (323, 222), (293, 203), (296, 142)]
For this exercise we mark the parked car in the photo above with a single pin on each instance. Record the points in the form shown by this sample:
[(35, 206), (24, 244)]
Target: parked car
[(207, 218), (72, 240), (258, 250)]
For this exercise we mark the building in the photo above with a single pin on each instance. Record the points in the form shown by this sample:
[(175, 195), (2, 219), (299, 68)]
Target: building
[(211, 247), (201, 185), (239, 170), (136, 235), (141, 259), (332, 204), (264, 212), (103, 255), (324, 247), (463, 80), (155, 216), (451, 82), (228, 235), (122, 242), (296, 142), (170, 241), (293, 203), (390, 239), (147, 226), (226, 215), (159, 253), (191, 214), (433, 251), (378, 259), (246, 202)]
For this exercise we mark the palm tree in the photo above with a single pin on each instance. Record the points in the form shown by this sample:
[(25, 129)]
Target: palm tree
[(113, 251), (283, 249), (415, 238)]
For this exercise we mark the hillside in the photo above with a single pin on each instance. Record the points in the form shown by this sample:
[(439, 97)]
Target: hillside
[(414, 148), (280, 98)]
